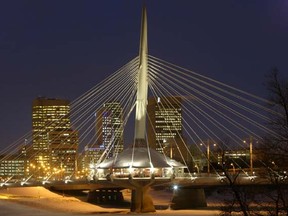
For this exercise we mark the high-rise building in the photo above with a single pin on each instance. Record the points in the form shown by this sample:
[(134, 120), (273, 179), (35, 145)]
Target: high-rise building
[(91, 156), (165, 126), (63, 147), (16, 164), (12, 165), (109, 126), (50, 125)]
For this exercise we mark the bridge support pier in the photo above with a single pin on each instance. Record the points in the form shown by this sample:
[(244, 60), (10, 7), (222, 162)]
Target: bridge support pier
[(188, 198), (141, 201)]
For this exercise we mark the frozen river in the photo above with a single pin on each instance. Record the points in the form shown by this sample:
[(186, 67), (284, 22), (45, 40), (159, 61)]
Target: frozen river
[(38, 201), (11, 208)]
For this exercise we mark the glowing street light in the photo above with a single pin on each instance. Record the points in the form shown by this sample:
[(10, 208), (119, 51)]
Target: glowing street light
[(234, 171), (208, 154), (250, 152), (197, 167)]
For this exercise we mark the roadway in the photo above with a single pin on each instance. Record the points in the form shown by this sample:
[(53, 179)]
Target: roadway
[(198, 181)]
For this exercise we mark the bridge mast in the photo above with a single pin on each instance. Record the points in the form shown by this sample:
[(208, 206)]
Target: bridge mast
[(142, 85)]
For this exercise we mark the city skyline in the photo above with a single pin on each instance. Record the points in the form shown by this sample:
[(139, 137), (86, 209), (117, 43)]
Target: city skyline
[(40, 54)]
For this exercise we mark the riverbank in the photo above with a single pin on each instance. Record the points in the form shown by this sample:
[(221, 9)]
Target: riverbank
[(43, 199)]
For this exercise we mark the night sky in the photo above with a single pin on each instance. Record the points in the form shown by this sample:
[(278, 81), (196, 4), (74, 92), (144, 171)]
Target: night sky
[(63, 48)]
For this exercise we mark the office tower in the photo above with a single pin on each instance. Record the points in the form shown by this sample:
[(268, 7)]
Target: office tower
[(90, 157), (63, 147), (15, 165), (12, 166), (109, 126), (50, 121), (165, 126)]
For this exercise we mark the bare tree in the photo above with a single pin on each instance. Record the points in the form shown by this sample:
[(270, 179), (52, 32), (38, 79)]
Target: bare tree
[(238, 198), (271, 199), (275, 151), (278, 97)]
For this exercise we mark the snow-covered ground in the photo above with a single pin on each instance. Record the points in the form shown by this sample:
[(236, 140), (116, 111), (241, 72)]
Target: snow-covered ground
[(40, 201)]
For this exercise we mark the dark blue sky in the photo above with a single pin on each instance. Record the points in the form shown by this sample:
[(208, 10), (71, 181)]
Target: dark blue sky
[(63, 48)]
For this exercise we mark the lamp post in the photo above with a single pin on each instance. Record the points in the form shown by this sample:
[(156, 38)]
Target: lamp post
[(234, 171), (197, 167), (250, 153), (208, 154)]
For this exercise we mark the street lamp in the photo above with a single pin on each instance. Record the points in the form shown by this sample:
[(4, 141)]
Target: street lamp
[(208, 154), (196, 166), (250, 153), (234, 171), (274, 164)]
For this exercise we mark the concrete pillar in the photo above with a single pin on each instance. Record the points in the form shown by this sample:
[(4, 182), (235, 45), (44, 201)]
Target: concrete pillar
[(187, 198), (141, 201)]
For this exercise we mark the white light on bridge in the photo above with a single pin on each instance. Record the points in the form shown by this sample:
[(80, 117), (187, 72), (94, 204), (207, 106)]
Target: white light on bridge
[(67, 181), (193, 178), (221, 178), (45, 182), (131, 170)]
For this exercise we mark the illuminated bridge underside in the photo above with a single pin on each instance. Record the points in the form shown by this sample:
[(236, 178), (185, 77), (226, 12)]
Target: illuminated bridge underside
[(138, 169)]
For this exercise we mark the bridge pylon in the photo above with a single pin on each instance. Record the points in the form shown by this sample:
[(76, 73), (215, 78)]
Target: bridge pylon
[(139, 167)]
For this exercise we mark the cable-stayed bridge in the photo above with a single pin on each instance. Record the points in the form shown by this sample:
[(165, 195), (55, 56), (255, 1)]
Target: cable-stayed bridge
[(194, 117)]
